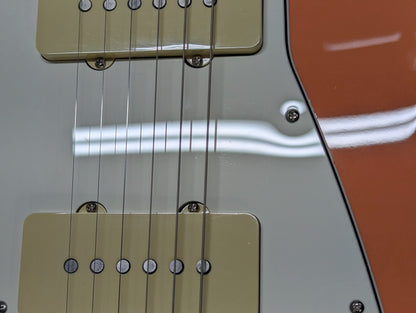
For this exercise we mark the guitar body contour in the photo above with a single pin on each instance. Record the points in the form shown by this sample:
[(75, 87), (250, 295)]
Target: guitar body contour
[(258, 163)]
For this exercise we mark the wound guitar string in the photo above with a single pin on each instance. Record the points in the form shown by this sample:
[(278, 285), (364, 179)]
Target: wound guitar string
[(209, 100)]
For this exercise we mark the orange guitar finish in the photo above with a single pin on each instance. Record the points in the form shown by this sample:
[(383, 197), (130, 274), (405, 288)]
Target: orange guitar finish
[(354, 58)]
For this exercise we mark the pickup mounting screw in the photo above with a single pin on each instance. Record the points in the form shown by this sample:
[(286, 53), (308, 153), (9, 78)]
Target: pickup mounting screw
[(292, 115), (197, 61), (100, 63), (91, 207), (3, 307), (193, 207), (357, 306)]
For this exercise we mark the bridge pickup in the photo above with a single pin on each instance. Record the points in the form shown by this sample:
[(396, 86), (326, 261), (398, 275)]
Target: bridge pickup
[(231, 282), (238, 29)]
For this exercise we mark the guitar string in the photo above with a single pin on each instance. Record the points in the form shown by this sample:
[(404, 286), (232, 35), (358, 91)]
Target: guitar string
[(152, 170), (209, 101), (99, 158), (125, 160), (178, 183), (73, 157)]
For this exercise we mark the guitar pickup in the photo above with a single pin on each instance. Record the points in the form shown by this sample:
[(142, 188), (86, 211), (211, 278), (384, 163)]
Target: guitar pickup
[(90, 29), (102, 260)]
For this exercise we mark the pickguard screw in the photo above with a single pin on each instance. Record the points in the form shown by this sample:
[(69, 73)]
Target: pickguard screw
[(292, 115), (197, 61), (100, 63), (91, 207), (357, 306), (193, 207), (3, 307)]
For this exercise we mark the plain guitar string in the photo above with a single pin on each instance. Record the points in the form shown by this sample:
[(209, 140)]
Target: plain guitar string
[(125, 162), (73, 158), (209, 100), (178, 184), (99, 159), (153, 154)]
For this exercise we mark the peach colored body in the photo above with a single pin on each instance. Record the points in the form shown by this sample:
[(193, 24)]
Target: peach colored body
[(356, 58)]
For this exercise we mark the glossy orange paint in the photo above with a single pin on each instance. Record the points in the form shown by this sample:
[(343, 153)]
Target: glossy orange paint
[(357, 57)]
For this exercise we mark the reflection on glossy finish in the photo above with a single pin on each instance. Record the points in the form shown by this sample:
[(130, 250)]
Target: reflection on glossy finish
[(362, 43), (247, 137), (357, 61), (369, 129)]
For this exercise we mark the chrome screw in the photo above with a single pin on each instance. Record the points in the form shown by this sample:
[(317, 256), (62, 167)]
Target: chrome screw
[(91, 207), (197, 61), (357, 306), (292, 115), (3, 307), (193, 207), (100, 63)]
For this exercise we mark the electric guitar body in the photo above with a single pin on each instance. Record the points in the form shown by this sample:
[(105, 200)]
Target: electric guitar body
[(177, 170)]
